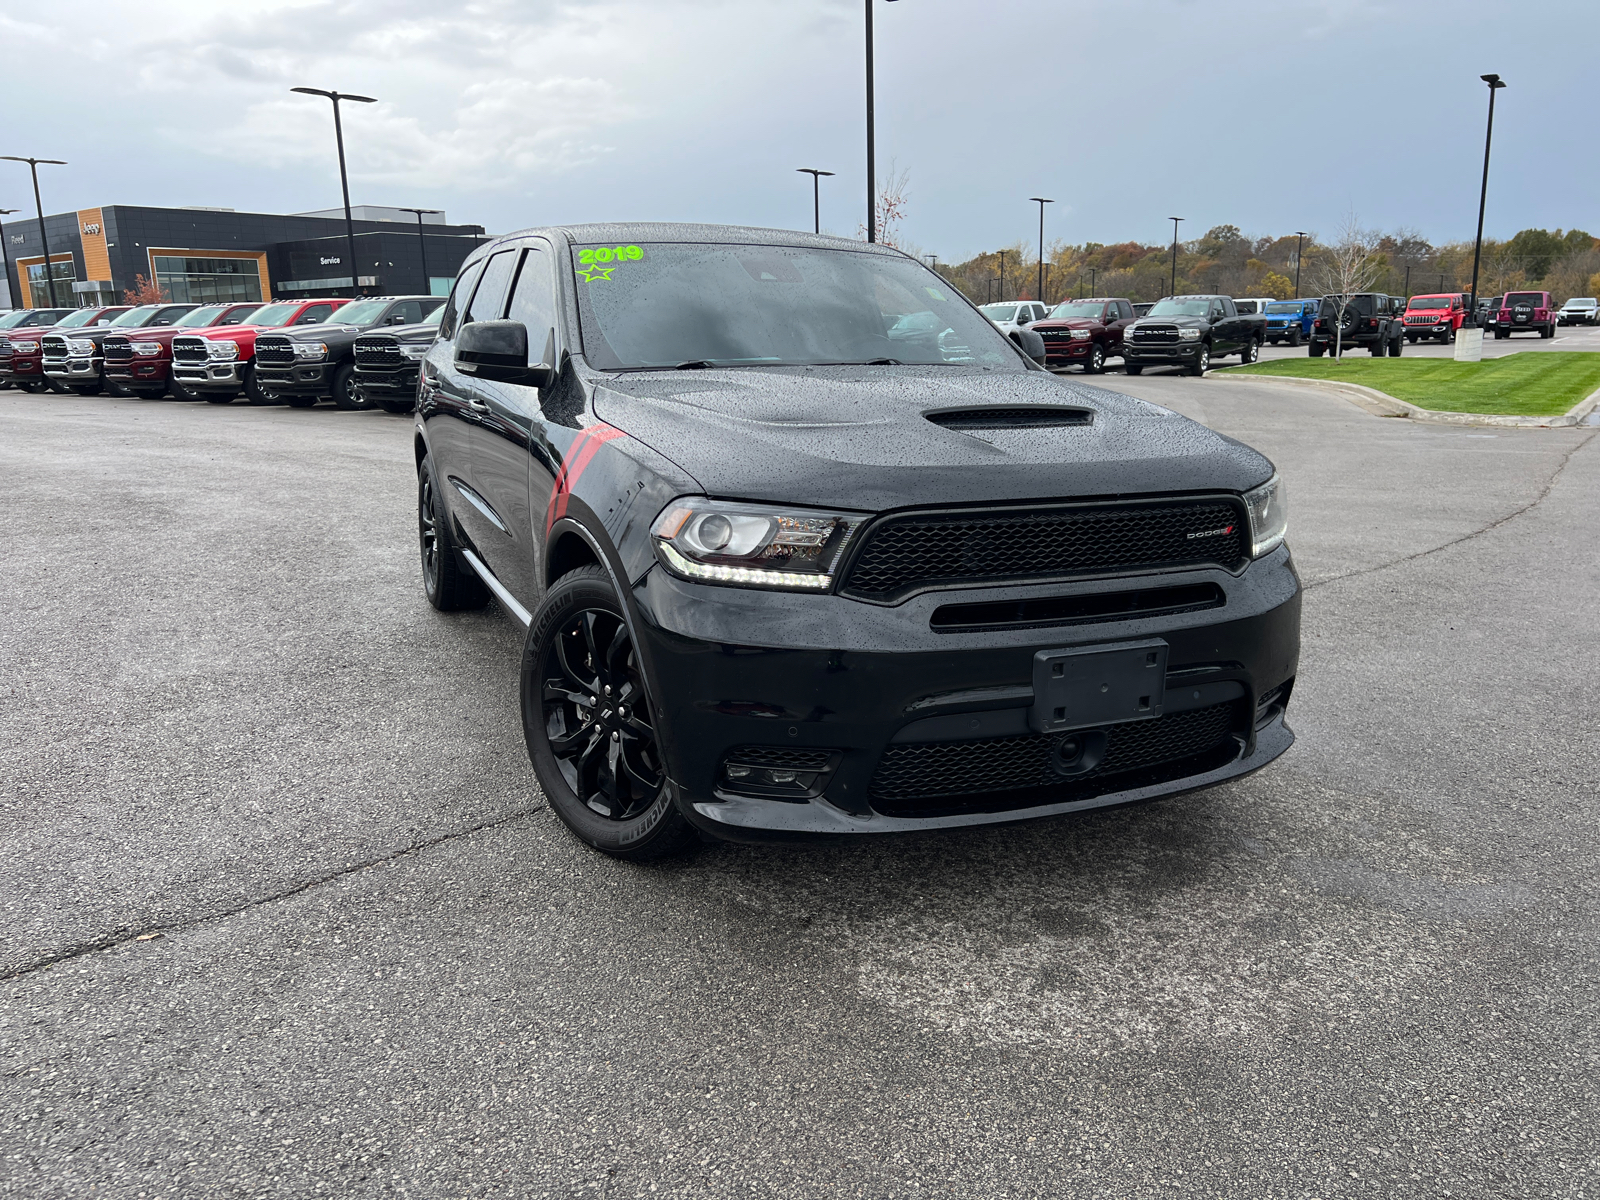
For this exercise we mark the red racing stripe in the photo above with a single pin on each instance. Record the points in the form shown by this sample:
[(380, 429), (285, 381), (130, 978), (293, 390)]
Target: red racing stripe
[(578, 456)]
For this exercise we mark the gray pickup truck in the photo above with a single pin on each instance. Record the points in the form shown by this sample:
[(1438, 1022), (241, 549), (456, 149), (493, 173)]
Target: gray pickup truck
[(1190, 332)]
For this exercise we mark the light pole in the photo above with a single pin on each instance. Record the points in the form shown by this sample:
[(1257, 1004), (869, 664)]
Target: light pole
[(1495, 84), (1002, 274), (816, 196), (1092, 273), (935, 262), (344, 181), (1175, 221), (422, 241), (1299, 251), (44, 240), (1041, 202), (5, 257), (872, 141)]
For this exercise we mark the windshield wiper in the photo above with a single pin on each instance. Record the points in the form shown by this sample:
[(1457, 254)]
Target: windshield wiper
[(695, 364), (883, 362)]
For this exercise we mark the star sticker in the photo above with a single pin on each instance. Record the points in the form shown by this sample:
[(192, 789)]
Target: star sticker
[(590, 274)]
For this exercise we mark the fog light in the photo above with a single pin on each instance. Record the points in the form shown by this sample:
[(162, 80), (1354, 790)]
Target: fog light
[(778, 772)]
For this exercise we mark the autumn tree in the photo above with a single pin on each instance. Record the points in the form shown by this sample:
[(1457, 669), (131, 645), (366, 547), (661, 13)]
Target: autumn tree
[(144, 291)]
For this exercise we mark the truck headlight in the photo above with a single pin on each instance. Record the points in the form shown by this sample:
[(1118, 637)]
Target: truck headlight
[(1080, 335), (311, 351), (414, 349), (25, 347), (1269, 516), (222, 350), (148, 349), (1189, 335), (753, 545), (80, 347)]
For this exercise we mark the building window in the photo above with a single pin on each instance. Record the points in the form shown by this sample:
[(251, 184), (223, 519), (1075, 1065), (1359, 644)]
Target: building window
[(39, 286), (208, 280)]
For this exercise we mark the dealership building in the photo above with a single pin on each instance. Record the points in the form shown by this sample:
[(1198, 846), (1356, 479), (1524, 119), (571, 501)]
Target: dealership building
[(217, 254)]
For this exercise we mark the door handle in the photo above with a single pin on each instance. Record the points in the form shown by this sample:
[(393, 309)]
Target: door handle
[(476, 405)]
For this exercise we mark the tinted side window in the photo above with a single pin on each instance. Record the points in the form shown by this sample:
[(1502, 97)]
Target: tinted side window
[(407, 312), (533, 302), (314, 314), (458, 299), (488, 302), (168, 315)]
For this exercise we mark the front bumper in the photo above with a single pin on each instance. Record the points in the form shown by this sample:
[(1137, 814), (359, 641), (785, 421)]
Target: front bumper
[(73, 370), (396, 383), (137, 371), (301, 379), (1063, 353), (1166, 352), (22, 366), (211, 376), (739, 668)]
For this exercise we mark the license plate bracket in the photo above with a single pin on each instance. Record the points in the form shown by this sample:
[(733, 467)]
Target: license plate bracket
[(1088, 686)]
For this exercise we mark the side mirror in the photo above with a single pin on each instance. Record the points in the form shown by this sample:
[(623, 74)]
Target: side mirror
[(498, 350), (1031, 344)]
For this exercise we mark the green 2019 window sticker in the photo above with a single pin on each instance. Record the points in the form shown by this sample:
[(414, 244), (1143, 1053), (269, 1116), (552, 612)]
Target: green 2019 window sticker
[(597, 262)]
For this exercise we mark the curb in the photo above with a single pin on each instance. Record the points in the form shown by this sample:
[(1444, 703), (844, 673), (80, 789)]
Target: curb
[(1380, 404)]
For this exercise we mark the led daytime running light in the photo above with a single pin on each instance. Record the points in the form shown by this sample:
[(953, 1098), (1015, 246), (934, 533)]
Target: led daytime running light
[(755, 575)]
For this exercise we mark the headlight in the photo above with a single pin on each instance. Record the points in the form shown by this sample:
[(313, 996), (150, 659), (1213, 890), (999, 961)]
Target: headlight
[(753, 545), (80, 347), (311, 350), (1080, 335), (413, 349), (1269, 516), (25, 347), (224, 350), (1188, 335), (148, 349)]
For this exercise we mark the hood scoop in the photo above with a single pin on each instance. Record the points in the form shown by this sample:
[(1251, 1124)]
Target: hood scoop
[(1037, 416)]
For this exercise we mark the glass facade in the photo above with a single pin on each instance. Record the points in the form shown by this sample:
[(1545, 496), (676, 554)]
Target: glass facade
[(208, 280), (39, 287)]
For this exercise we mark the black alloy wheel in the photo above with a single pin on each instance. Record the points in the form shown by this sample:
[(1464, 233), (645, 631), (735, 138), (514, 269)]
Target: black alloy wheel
[(1202, 360), (1097, 360), (347, 390), (590, 724), (450, 585)]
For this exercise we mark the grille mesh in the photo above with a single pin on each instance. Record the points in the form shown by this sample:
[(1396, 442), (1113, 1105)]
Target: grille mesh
[(912, 773), (274, 351), (53, 346), (921, 550), (5, 347), (189, 349), (377, 352), (787, 757), (1154, 335), (117, 349)]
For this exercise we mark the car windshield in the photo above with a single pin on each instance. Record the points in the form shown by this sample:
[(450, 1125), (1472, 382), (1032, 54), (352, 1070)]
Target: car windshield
[(84, 316), (1077, 308), (1284, 308), (434, 317), (998, 312), (362, 312), (1429, 302), (273, 315), (201, 317), (670, 304), (1533, 298), (137, 316), (1582, 302), (1181, 306)]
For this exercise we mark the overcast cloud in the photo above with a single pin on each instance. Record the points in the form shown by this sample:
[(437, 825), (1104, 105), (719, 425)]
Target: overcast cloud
[(1272, 116)]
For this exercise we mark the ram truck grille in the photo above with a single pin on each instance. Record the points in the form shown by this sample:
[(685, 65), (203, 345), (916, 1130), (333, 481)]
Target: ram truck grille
[(274, 350), (378, 352), (1154, 335), (189, 349), (117, 349)]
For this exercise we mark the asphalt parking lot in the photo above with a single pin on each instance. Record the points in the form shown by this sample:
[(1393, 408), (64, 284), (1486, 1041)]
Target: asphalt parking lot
[(284, 914)]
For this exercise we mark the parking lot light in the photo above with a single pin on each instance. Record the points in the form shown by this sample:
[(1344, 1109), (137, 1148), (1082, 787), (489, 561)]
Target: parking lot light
[(1299, 252), (344, 181), (816, 195), (44, 240), (1495, 84), (1175, 220), (422, 241), (1041, 202), (5, 256)]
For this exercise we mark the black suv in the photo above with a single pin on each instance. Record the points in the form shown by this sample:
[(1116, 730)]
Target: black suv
[(387, 363), (309, 362), (1369, 320), (785, 574)]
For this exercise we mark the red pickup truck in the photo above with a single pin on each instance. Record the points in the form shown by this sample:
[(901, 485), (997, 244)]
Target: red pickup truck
[(1435, 317), (1084, 332), (141, 360), (220, 363), (22, 345), (1525, 312)]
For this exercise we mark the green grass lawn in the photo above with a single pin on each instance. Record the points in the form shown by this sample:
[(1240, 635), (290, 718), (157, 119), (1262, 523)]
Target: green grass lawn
[(1528, 384)]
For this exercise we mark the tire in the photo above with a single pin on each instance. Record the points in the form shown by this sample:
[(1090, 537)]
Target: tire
[(1251, 352), (1378, 349), (1397, 347), (180, 390), (1097, 360), (347, 390), (120, 391), (252, 390), (1133, 368), (1316, 349), (400, 408), (1412, 338), (33, 387), (1294, 337), (586, 717), (298, 401), (1500, 335), (450, 584), (1202, 361), (1548, 332)]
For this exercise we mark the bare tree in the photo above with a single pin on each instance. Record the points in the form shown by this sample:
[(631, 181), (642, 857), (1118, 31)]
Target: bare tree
[(891, 207), (1345, 268)]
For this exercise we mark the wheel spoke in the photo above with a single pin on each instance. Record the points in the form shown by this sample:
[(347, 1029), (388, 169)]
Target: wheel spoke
[(587, 621), (553, 690), (567, 744), (564, 657), (645, 784)]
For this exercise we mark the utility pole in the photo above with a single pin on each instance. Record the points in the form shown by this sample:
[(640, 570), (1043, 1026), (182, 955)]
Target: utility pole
[(5, 257), (816, 196), (1002, 274), (1041, 202), (1299, 251), (44, 238), (344, 181), (427, 281), (1175, 221)]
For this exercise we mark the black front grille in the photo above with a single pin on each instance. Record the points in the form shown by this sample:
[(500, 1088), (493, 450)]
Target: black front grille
[(995, 774), (274, 350), (5, 348), (1044, 611), (378, 352), (793, 758), (189, 349), (916, 550), (1152, 335), (117, 349), (54, 346)]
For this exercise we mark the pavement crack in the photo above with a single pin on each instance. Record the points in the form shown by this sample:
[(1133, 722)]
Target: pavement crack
[(122, 939), (1466, 537)]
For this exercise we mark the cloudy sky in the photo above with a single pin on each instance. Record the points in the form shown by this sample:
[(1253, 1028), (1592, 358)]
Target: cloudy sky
[(1271, 116)]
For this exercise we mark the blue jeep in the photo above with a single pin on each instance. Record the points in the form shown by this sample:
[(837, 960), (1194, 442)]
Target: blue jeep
[(1290, 320)]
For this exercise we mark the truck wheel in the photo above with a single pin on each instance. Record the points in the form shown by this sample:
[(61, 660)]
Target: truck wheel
[(33, 386), (1316, 349), (1202, 361), (1549, 331), (1097, 360), (1294, 337), (1133, 368), (1396, 347), (300, 401), (347, 390), (1251, 352), (181, 390)]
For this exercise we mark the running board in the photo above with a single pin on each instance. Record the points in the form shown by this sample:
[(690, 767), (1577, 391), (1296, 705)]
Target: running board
[(507, 600)]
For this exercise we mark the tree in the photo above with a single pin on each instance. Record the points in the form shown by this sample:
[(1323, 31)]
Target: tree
[(1345, 268), (144, 291), (890, 207), (1279, 287)]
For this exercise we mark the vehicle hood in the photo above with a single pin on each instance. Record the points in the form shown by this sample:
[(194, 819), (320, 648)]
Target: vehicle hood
[(1180, 322), (426, 332), (1066, 323), (317, 333), (857, 437)]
